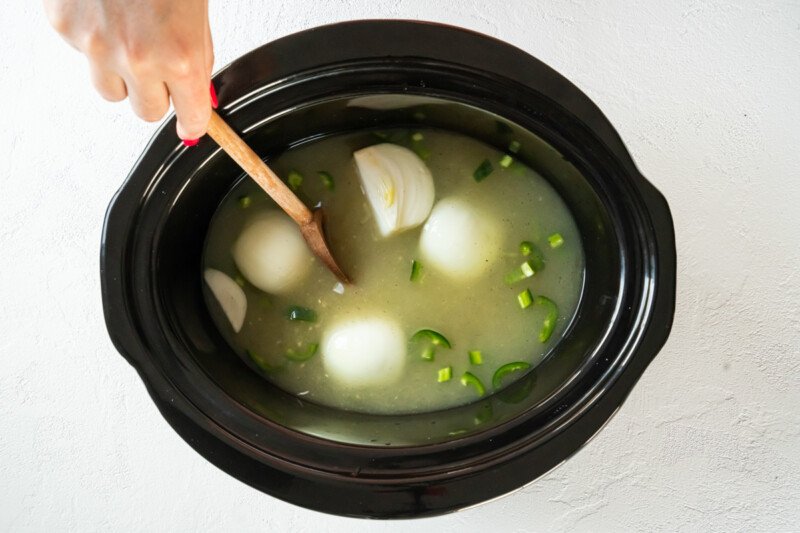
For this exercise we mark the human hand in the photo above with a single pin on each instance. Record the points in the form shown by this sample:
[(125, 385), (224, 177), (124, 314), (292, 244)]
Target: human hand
[(147, 50)]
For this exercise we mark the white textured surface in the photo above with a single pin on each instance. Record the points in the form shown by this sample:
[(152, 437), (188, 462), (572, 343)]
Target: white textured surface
[(705, 94)]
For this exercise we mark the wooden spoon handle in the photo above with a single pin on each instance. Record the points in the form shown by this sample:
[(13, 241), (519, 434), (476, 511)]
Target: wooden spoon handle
[(235, 147)]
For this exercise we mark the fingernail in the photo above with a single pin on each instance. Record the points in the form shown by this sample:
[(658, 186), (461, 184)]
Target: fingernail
[(190, 142), (214, 101)]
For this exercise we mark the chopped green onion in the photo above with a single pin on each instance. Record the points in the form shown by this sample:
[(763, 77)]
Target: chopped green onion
[(445, 374), (382, 135), (506, 161), (525, 298), (483, 170), (327, 180), (484, 413), (245, 201), (261, 362), (549, 323), (475, 357), (524, 271), (419, 115), (528, 249), (416, 270), (303, 314), (434, 337), (470, 379), (514, 147), (302, 355), (428, 353), (295, 179), (500, 373), (555, 240), (417, 136)]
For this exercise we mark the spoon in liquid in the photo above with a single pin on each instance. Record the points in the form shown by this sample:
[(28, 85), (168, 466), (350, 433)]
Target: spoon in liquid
[(310, 222)]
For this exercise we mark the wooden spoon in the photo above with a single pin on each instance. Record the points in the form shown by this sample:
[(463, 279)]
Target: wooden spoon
[(310, 222)]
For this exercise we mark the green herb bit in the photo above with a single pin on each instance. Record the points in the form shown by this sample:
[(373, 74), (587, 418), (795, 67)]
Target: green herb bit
[(555, 240), (506, 161), (445, 374), (503, 371), (429, 353), (303, 314), (419, 116), (245, 201), (327, 180), (261, 362), (416, 270), (550, 319), (240, 281), (295, 180), (382, 135), (525, 298), (514, 147), (470, 379), (417, 136), (434, 337), (302, 355), (475, 357), (483, 170)]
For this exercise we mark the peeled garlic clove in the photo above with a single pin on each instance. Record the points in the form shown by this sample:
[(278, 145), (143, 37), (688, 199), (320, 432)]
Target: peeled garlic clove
[(230, 296), (397, 184)]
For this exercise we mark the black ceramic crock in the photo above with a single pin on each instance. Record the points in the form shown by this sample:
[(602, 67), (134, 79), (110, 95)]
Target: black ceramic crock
[(323, 81)]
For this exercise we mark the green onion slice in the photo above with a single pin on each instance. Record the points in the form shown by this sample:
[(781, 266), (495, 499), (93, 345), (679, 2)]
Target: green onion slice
[(245, 201), (416, 270), (261, 362), (555, 240), (514, 147), (417, 137), (302, 355), (429, 353), (295, 180), (483, 170), (445, 374), (508, 368), (434, 337), (327, 180), (549, 323), (525, 298), (475, 357), (470, 379), (506, 161), (303, 314)]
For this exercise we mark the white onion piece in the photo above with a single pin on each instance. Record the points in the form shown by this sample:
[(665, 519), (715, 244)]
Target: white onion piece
[(230, 296), (364, 352), (459, 240), (398, 186), (271, 252)]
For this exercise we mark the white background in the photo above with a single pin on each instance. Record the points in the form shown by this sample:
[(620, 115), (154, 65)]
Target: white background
[(705, 94)]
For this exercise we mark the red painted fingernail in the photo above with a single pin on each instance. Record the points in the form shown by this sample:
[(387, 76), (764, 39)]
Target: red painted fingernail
[(214, 101), (190, 142)]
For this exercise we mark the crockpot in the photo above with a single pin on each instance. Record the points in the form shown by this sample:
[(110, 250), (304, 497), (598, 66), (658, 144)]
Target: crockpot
[(359, 76)]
